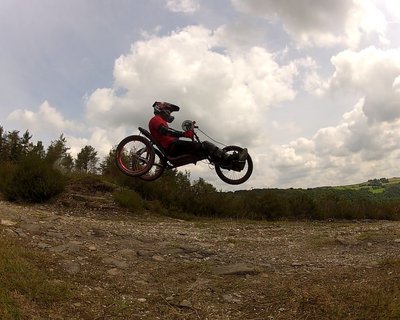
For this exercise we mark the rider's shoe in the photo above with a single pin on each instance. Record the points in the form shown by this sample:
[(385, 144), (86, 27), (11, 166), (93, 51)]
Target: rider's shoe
[(243, 155), (240, 162), (235, 161), (224, 165)]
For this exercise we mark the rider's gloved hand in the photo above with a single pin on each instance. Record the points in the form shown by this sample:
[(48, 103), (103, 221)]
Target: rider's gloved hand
[(189, 134)]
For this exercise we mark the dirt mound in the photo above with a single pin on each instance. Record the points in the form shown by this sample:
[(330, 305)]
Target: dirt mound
[(87, 194)]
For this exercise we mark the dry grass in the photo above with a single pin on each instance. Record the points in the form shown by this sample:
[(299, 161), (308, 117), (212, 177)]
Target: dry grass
[(25, 290), (28, 292), (33, 284)]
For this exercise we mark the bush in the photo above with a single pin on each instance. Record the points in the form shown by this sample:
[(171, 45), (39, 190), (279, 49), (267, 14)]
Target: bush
[(7, 170), (129, 199), (30, 180)]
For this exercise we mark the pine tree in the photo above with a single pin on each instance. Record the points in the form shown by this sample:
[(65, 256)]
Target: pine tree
[(86, 160)]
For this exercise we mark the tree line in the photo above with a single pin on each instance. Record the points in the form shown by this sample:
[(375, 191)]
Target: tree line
[(31, 172), (14, 146)]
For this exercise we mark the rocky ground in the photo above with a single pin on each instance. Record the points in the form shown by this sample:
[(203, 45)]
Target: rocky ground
[(123, 265)]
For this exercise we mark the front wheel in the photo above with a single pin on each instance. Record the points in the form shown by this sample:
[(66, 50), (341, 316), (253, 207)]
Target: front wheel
[(135, 155), (232, 176)]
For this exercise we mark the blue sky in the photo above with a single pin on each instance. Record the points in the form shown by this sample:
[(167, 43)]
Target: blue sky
[(312, 88)]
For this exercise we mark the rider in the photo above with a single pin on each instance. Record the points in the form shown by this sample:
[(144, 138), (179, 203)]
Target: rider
[(168, 138)]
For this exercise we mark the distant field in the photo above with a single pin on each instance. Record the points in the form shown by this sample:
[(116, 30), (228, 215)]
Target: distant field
[(372, 185)]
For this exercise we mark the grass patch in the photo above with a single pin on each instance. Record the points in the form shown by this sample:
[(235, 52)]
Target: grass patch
[(24, 288), (129, 199), (89, 183)]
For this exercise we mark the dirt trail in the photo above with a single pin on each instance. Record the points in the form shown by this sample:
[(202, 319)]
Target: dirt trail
[(131, 266)]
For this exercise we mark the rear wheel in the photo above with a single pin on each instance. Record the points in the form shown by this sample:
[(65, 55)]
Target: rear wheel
[(157, 168), (233, 176), (135, 155)]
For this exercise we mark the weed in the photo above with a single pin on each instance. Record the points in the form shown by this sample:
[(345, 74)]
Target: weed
[(23, 287)]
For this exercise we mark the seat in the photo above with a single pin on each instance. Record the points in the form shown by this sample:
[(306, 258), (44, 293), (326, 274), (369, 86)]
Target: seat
[(176, 161)]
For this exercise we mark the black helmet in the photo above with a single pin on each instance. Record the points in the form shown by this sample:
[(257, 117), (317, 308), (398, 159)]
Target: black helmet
[(165, 109)]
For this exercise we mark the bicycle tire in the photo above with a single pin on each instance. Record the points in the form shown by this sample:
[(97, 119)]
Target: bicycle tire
[(129, 155), (157, 168), (235, 177)]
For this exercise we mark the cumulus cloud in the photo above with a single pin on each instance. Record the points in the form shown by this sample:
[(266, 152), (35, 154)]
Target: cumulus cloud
[(47, 118), (373, 73), (47, 124), (229, 79), (102, 139), (350, 151), (226, 92), (365, 141), (393, 9), (185, 6), (321, 23), (240, 34)]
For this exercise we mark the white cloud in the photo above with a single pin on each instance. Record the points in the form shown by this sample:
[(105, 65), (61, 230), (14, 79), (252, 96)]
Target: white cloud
[(346, 153), (393, 9), (321, 23), (185, 6), (240, 34), (47, 124), (46, 119), (101, 139), (373, 74), (366, 141), (227, 93)]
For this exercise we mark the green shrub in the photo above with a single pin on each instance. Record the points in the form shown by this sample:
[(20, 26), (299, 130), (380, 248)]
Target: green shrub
[(129, 199), (31, 180), (7, 170)]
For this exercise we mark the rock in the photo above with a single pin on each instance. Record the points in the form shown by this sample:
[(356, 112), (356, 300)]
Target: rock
[(145, 253), (98, 232), (7, 223), (127, 253), (32, 228), (373, 264), (114, 272), (347, 241), (66, 203), (117, 263), (56, 235), (186, 304), (42, 245), (235, 269), (20, 232), (92, 248), (11, 232), (72, 246), (297, 264), (79, 197), (158, 258), (230, 298), (72, 267), (173, 251)]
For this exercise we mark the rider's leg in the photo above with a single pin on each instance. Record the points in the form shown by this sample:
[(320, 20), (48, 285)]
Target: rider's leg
[(213, 151), (181, 147), (219, 154)]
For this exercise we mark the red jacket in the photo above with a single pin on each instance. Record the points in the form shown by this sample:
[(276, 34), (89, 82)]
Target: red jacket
[(154, 126)]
